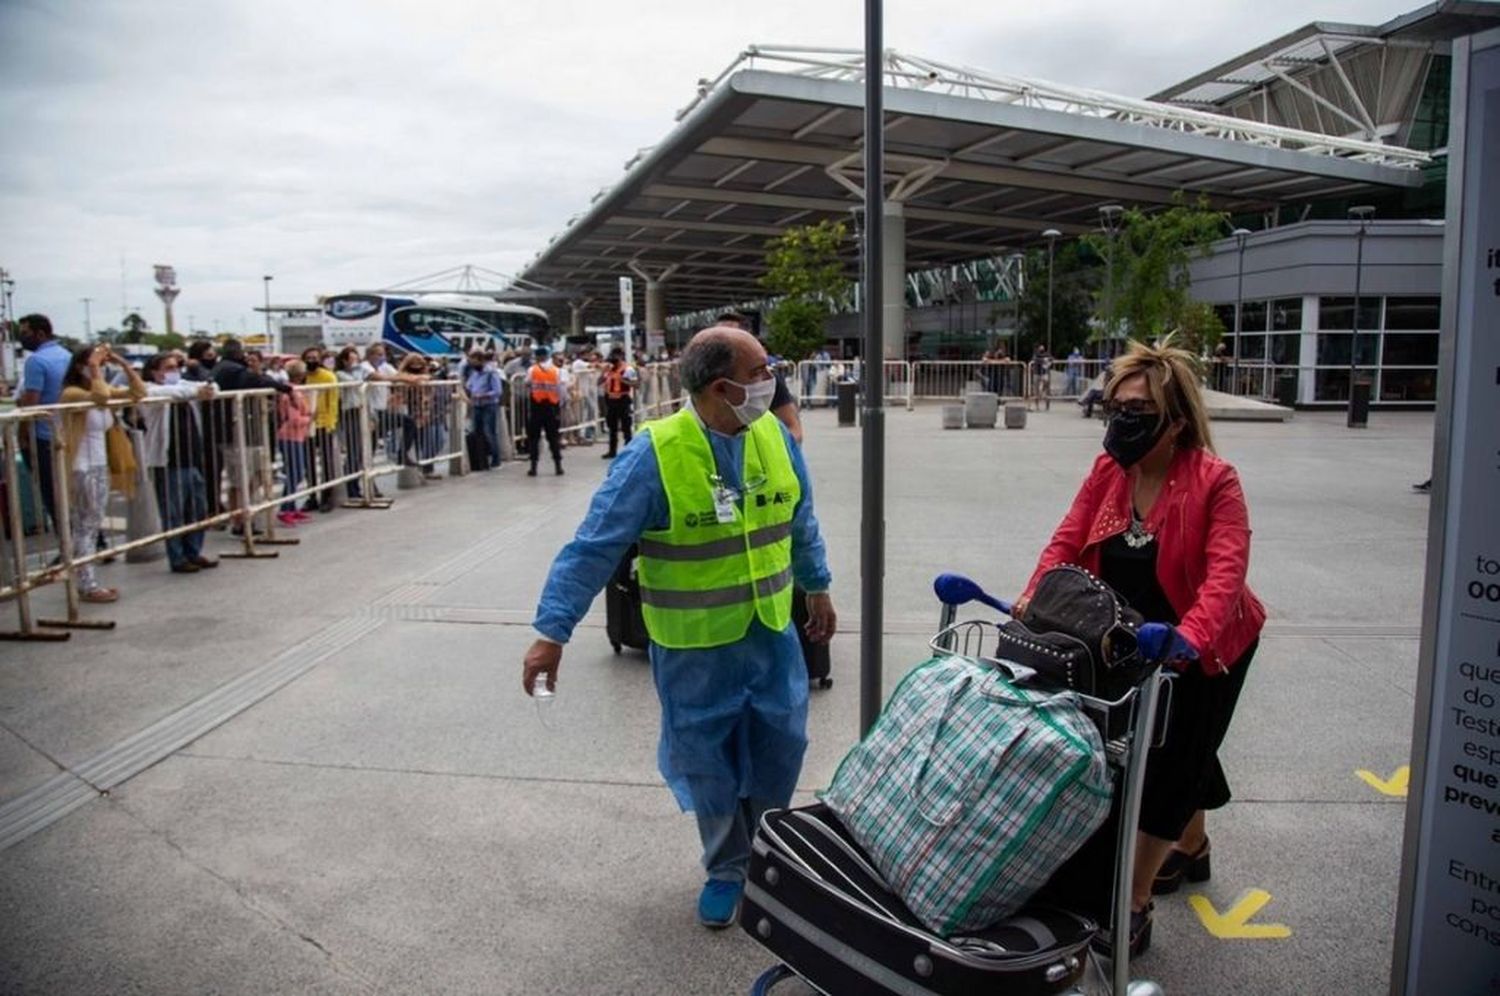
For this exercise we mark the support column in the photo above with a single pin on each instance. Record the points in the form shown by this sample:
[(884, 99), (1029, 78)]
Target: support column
[(656, 300), (893, 280), (656, 307), (576, 307)]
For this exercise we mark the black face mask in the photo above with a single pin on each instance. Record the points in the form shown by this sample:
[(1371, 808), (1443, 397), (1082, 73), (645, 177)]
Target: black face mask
[(1129, 436)]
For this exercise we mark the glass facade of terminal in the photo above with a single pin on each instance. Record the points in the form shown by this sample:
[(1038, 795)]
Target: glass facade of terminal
[(1298, 348)]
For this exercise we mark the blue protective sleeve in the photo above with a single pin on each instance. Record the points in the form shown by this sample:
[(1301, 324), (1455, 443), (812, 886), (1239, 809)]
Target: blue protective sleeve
[(809, 556), (629, 502)]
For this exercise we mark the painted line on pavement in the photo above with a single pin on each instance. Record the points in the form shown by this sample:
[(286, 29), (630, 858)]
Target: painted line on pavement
[(55, 798)]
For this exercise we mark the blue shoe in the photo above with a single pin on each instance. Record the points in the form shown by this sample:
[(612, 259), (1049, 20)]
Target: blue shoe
[(719, 902)]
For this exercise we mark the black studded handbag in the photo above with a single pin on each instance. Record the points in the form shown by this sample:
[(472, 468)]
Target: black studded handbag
[(1076, 633)]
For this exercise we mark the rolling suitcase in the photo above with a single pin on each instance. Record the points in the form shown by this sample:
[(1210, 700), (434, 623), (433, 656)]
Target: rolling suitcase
[(623, 622), (814, 900), (478, 449), (815, 655)]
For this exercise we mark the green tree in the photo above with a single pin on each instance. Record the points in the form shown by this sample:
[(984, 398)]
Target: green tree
[(1076, 277), (1199, 328), (803, 266), (136, 328), (166, 340), (1151, 253)]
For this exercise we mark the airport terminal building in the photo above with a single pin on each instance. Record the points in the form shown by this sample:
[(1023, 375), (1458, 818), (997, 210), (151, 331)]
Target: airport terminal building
[(1325, 148)]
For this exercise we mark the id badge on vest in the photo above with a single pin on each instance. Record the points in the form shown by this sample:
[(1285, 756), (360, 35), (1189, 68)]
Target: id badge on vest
[(724, 499)]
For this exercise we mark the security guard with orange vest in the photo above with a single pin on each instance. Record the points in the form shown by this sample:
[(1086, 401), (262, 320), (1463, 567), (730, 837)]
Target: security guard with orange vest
[(618, 383), (718, 498), (544, 389)]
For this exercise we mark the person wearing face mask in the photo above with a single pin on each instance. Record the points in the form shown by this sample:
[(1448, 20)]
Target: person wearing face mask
[(544, 387), (323, 463), (617, 385), (1162, 519), (41, 384), (173, 452), (718, 499)]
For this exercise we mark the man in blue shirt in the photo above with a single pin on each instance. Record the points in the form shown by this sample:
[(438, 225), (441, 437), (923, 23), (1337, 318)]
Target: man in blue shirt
[(41, 384), (484, 388), (734, 716)]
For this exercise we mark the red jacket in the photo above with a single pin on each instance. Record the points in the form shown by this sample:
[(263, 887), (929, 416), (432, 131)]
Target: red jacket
[(1203, 548)]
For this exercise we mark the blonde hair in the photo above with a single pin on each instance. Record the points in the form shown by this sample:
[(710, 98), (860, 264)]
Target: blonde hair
[(1172, 381)]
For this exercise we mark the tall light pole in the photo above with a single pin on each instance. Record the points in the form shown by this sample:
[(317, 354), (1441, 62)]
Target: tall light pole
[(872, 519), (1240, 235), (1358, 414), (266, 282), (1109, 220), (88, 324), (7, 320), (1051, 235)]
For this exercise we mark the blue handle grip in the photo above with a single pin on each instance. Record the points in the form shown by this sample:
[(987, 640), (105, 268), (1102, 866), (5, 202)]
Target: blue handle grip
[(955, 589)]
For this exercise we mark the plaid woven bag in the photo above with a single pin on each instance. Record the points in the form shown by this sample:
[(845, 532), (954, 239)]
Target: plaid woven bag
[(969, 792)]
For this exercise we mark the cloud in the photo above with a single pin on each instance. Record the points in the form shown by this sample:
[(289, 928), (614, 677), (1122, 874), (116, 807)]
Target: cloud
[(352, 143)]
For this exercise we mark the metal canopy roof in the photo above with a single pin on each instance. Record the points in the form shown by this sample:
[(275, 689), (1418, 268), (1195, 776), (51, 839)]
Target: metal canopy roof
[(983, 164), (1320, 64)]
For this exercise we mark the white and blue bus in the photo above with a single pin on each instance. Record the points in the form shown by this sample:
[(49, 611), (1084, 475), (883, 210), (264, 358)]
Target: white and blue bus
[(436, 324)]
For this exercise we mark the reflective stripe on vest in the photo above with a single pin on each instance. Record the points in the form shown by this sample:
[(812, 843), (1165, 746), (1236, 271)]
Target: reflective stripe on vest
[(545, 386), (704, 582)]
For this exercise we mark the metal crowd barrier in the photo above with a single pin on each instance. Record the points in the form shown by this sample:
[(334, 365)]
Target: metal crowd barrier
[(200, 459), (815, 382)]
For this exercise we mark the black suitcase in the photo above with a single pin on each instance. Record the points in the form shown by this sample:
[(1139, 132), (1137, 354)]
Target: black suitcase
[(478, 449), (623, 622), (815, 655), (815, 901)]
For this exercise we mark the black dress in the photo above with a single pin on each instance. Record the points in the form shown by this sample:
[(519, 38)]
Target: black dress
[(1184, 774)]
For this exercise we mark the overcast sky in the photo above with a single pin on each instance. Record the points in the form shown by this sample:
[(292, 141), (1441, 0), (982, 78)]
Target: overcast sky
[(356, 143)]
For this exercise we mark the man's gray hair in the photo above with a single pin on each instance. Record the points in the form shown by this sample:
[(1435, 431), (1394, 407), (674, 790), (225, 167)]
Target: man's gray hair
[(705, 359)]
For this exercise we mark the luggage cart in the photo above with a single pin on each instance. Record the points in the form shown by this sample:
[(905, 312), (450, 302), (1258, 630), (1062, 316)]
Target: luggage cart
[(903, 958)]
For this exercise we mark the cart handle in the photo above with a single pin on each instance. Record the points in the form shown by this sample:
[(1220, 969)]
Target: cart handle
[(955, 589)]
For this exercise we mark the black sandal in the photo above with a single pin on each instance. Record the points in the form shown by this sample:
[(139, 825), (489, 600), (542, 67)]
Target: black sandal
[(1181, 865)]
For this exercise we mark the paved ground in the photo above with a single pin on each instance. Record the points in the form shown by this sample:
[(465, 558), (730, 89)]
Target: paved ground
[(394, 817)]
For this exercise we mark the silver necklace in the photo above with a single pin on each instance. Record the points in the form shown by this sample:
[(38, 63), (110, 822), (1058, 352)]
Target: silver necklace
[(1137, 536)]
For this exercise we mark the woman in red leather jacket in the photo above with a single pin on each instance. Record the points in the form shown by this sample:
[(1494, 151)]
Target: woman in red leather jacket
[(1162, 520)]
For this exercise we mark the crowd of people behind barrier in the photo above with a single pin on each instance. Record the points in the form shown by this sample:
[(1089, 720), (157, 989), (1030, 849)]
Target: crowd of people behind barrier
[(215, 436), (219, 436)]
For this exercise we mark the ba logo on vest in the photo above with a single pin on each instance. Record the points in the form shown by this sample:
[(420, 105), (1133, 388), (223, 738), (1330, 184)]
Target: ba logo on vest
[(779, 498)]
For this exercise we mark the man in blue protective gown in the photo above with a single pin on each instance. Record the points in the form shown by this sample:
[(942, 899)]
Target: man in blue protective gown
[(719, 500)]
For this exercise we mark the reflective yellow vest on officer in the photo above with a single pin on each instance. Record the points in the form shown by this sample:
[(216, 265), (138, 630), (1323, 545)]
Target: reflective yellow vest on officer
[(724, 559)]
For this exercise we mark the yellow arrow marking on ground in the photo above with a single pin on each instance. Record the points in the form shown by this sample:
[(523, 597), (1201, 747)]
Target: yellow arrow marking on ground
[(1395, 785), (1232, 923)]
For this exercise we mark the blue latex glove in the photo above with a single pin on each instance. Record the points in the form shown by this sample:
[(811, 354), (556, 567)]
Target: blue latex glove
[(1160, 642)]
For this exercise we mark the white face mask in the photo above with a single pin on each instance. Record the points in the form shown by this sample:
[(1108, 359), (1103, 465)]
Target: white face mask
[(758, 395), (171, 377)]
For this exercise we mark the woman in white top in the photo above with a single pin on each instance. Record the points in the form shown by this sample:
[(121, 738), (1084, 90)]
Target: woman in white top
[(87, 453), (350, 371)]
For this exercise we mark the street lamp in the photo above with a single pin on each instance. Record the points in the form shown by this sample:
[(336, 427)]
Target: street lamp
[(266, 281), (1051, 235), (1358, 414), (1240, 235), (1109, 220)]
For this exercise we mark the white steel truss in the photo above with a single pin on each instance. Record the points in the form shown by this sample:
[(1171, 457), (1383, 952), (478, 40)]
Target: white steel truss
[(917, 73)]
